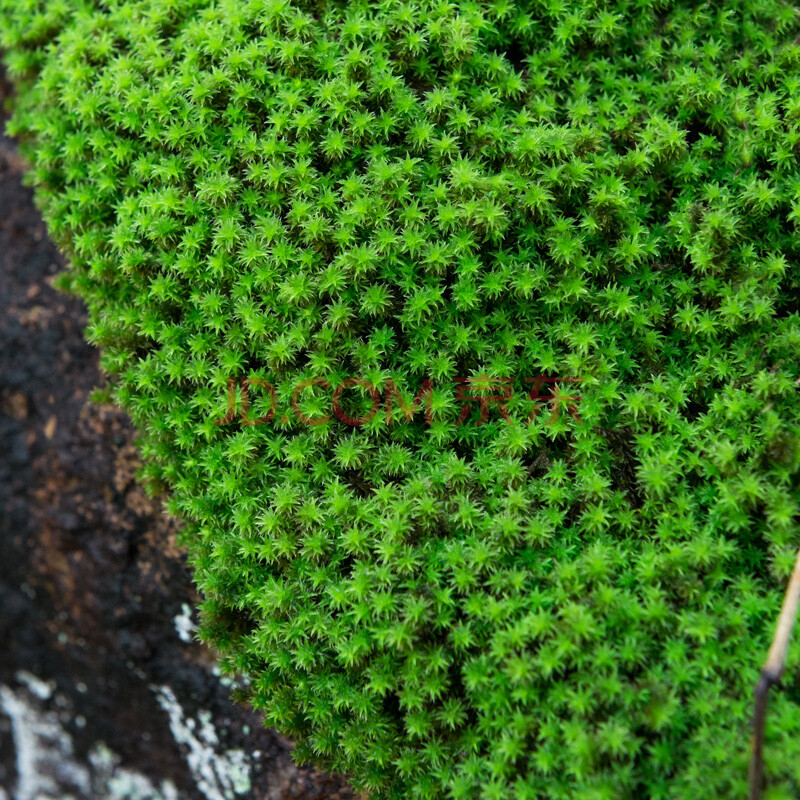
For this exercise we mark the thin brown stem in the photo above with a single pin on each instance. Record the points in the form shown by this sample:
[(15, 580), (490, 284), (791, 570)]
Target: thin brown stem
[(770, 674)]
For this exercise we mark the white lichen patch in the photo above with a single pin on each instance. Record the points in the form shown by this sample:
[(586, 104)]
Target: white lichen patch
[(184, 624), (218, 775), (45, 761), (46, 767), (41, 689), (230, 681), (124, 783)]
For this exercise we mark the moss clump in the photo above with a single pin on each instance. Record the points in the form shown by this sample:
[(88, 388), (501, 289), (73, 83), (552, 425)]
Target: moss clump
[(606, 192)]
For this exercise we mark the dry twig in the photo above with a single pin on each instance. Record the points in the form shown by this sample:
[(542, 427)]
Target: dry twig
[(770, 674)]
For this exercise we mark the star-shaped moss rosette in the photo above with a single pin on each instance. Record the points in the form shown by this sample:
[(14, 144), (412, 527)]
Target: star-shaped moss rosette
[(600, 199)]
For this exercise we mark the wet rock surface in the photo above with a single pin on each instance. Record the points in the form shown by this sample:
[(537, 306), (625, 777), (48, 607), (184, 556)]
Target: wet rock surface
[(103, 691)]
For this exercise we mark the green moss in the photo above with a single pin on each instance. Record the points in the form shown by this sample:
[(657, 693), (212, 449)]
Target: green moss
[(573, 609)]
